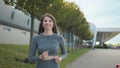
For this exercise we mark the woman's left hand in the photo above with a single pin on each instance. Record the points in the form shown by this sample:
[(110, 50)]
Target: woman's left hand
[(58, 59)]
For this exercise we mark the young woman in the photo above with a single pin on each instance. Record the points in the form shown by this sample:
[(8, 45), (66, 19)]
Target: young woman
[(47, 44)]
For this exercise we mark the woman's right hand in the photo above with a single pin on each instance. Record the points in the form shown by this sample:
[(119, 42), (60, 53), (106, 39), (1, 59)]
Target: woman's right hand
[(44, 55)]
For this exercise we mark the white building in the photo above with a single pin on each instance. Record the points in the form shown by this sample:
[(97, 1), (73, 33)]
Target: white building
[(14, 25)]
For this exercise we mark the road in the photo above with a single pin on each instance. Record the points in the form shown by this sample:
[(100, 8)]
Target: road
[(98, 58)]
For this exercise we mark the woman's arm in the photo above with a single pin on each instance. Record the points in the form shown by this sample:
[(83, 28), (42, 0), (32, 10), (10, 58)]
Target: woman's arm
[(32, 57), (63, 48)]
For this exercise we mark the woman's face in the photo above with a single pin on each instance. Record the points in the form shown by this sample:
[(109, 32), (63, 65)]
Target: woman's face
[(47, 23)]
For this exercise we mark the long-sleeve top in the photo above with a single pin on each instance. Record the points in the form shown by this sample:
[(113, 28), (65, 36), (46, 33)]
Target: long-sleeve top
[(49, 43)]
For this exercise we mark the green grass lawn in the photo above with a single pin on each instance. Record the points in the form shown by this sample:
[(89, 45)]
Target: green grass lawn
[(12, 56)]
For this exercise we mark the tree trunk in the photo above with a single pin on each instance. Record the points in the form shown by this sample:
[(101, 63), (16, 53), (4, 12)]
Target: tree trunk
[(72, 42), (76, 42), (31, 33), (68, 42)]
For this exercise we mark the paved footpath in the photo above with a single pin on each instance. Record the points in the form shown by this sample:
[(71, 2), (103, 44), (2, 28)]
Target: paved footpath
[(98, 58)]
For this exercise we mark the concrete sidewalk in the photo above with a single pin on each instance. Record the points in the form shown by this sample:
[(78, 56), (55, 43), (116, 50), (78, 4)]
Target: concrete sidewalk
[(98, 58)]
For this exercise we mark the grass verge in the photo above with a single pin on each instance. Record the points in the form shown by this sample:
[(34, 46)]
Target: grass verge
[(12, 56), (71, 57)]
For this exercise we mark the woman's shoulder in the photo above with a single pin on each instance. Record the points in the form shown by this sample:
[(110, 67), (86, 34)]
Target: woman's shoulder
[(37, 36), (58, 36)]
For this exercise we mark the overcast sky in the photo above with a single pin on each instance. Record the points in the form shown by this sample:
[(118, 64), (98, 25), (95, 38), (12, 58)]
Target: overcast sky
[(103, 13)]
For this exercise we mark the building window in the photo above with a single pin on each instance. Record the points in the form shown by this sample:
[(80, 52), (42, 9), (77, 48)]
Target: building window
[(24, 33), (28, 22), (12, 15), (7, 29)]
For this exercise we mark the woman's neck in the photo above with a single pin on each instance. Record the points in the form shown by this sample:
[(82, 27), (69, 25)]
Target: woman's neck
[(48, 32)]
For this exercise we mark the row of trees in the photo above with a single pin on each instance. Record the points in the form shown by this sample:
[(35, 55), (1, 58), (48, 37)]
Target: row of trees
[(68, 15)]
